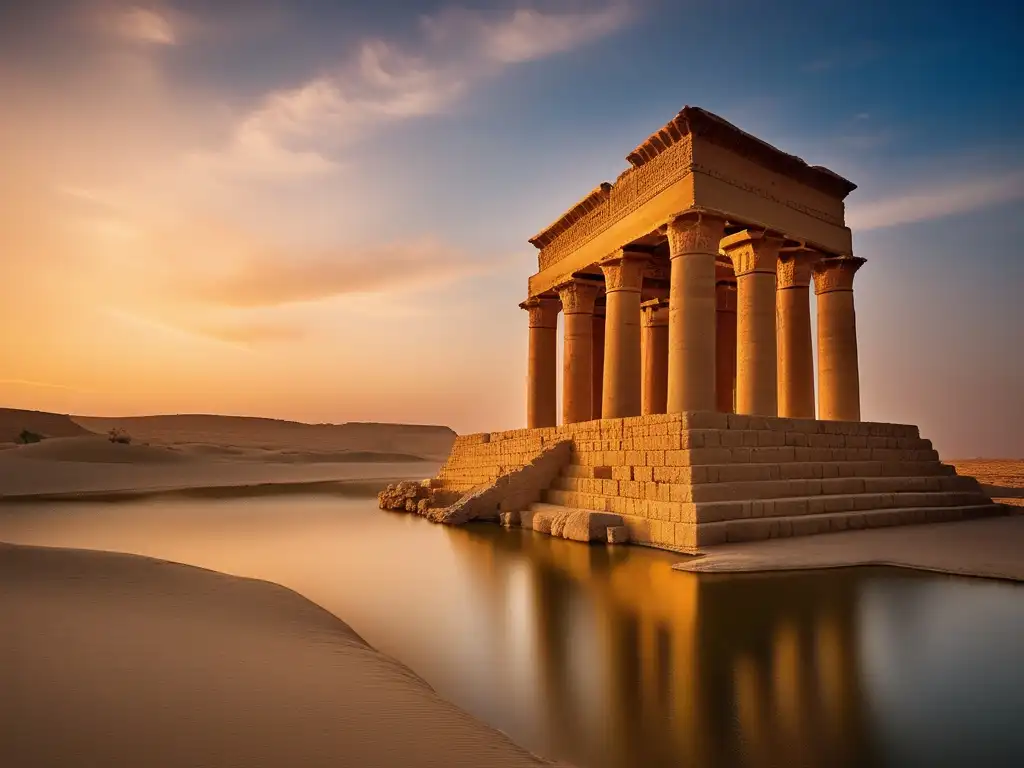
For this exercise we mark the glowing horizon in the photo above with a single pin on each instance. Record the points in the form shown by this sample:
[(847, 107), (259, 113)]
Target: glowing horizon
[(321, 214)]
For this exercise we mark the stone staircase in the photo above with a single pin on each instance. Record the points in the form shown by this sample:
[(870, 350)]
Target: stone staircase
[(691, 480), (717, 494)]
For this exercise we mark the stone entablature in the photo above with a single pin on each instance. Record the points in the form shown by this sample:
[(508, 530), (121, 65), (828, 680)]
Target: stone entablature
[(710, 164)]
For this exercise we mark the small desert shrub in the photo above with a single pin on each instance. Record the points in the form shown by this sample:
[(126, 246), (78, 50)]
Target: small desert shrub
[(119, 436), (27, 437)]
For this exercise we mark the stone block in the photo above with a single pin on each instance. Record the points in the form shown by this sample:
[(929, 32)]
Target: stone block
[(618, 534), (622, 473), (748, 530), (581, 525), (691, 439), (679, 492), (796, 439), (685, 536), (643, 474), (710, 535), (738, 421), (791, 507), (838, 503), (705, 420)]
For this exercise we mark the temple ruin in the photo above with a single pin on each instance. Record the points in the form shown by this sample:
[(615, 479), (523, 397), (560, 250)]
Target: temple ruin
[(688, 377)]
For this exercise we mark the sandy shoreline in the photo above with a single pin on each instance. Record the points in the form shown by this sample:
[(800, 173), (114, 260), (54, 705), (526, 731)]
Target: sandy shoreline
[(991, 548), (115, 659), (360, 487)]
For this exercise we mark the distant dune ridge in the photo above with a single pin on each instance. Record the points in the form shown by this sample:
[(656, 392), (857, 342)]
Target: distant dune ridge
[(198, 451), (427, 441), (14, 420)]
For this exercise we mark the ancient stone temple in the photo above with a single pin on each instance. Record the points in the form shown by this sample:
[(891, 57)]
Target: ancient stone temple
[(689, 414)]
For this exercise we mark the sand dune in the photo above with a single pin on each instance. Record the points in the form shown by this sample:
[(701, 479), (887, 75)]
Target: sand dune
[(246, 432), (14, 420), (95, 449), (212, 454), (112, 659)]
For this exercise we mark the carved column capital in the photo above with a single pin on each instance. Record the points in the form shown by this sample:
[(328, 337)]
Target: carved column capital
[(753, 252), (725, 296), (794, 268), (654, 313), (695, 232), (543, 311), (624, 271), (578, 296), (835, 273)]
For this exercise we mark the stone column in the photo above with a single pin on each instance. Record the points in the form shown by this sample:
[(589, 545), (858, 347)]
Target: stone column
[(598, 381), (623, 278), (541, 370), (725, 346), (793, 334), (838, 373), (578, 298), (753, 257), (693, 240), (654, 354)]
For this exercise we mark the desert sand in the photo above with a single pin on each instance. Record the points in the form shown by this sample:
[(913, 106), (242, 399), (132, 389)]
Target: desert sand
[(113, 659), (1003, 479), (208, 454)]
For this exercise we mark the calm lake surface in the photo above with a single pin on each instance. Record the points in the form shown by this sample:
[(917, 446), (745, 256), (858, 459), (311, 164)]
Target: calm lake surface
[(606, 657)]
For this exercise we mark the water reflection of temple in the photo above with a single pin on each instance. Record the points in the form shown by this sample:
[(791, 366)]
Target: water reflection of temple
[(633, 664)]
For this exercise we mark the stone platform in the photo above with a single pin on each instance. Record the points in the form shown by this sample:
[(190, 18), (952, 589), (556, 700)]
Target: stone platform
[(690, 480)]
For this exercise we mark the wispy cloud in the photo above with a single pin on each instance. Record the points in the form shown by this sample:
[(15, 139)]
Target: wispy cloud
[(262, 278), (146, 25), (298, 131), (937, 200)]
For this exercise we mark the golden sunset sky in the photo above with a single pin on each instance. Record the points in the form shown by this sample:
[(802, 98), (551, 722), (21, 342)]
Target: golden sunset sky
[(320, 211)]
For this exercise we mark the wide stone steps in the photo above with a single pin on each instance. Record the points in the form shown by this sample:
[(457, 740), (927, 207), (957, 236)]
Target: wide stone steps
[(770, 489), (757, 529), (693, 457), (791, 506), (725, 473)]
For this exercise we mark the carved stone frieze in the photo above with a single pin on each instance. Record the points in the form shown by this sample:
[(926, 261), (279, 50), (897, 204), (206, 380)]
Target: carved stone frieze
[(695, 233), (624, 271), (631, 190), (543, 311), (794, 268), (835, 273), (756, 252), (666, 158), (578, 296)]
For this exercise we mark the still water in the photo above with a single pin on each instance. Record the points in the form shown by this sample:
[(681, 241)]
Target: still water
[(605, 656)]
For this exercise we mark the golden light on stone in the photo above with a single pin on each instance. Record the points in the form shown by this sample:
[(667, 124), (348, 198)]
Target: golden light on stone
[(688, 414)]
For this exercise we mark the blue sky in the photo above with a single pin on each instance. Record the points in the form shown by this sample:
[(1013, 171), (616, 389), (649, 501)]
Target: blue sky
[(320, 210)]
